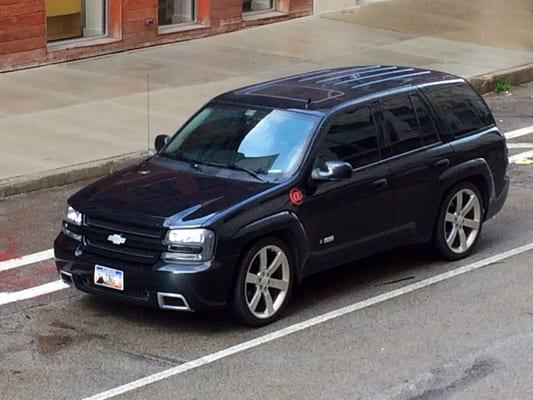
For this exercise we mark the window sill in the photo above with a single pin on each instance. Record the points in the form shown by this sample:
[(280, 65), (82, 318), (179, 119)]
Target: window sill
[(193, 26), (259, 15), (77, 43)]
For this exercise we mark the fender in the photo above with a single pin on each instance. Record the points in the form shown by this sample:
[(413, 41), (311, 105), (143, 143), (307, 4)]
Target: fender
[(284, 220), (464, 170)]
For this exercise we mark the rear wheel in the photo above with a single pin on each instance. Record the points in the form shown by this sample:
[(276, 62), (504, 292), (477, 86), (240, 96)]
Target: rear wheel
[(264, 283), (460, 221)]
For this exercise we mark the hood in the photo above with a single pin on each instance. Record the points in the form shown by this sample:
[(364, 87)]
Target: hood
[(163, 192)]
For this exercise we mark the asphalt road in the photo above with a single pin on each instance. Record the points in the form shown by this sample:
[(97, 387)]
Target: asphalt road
[(467, 337)]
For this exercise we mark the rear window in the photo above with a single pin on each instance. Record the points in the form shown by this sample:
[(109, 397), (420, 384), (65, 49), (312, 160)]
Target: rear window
[(463, 109)]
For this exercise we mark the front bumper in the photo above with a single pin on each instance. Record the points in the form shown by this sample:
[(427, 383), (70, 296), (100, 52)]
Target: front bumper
[(191, 287)]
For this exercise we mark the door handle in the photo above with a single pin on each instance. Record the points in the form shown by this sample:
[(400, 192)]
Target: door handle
[(380, 183), (444, 163)]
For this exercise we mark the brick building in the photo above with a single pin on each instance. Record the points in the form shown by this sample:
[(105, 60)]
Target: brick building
[(34, 32)]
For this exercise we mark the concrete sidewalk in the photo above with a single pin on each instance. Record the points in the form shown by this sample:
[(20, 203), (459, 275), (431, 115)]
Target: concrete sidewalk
[(57, 116)]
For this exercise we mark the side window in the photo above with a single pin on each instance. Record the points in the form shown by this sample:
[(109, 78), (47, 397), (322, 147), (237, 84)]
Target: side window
[(401, 125), (351, 138), (425, 122), (463, 109)]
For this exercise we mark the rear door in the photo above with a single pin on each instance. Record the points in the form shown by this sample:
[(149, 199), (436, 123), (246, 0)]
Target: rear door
[(468, 119), (417, 157), (349, 218)]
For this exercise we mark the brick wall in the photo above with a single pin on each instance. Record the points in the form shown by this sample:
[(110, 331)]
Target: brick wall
[(23, 28), (22, 32)]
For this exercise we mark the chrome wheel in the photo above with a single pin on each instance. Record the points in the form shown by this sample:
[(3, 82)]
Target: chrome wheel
[(267, 281), (462, 221)]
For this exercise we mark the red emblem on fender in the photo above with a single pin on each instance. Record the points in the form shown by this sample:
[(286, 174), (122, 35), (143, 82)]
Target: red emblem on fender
[(296, 196)]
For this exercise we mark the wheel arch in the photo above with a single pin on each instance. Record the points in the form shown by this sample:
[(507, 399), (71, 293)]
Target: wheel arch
[(476, 171), (285, 226)]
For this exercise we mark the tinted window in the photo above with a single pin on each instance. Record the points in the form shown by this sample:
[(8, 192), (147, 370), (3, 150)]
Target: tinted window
[(266, 141), (351, 138), (401, 125), (463, 109), (425, 122)]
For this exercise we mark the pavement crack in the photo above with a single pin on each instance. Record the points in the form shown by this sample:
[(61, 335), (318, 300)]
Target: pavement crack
[(407, 278), (169, 361)]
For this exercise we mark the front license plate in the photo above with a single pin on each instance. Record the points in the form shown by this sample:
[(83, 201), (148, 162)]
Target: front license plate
[(108, 277)]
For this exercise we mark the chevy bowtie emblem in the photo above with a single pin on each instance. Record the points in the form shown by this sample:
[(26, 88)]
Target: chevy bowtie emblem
[(117, 239)]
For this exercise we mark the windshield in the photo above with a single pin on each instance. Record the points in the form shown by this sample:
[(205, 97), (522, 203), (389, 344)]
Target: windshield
[(260, 141)]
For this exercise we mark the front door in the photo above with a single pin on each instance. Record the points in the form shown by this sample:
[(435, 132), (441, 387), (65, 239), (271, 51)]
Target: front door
[(349, 218)]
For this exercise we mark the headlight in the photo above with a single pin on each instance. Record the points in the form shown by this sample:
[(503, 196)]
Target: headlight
[(72, 216), (189, 245), (71, 220)]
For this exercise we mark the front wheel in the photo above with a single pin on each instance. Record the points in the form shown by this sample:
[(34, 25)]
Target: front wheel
[(264, 283), (460, 222)]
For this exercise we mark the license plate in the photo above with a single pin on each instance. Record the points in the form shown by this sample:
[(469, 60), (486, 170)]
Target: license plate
[(108, 277)]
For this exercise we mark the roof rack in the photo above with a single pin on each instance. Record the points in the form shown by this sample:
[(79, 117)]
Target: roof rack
[(390, 79), (395, 71), (341, 72)]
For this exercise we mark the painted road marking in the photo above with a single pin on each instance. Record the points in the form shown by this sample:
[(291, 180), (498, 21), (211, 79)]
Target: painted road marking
[(520, 145), (51, 287), (26, 260), (521, 156), (300, 326), (524, 161), (519, 132)]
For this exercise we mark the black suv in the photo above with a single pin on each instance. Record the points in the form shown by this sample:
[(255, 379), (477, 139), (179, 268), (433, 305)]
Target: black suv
[(270, 183)]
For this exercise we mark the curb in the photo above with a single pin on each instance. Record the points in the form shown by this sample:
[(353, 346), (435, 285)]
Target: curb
[(95, 169), (514, 76), (70, 174)]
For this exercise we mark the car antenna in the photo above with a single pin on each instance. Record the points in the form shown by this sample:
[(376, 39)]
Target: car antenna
[(308, 103)]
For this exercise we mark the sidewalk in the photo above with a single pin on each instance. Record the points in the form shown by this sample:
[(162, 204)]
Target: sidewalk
[(57, 116)]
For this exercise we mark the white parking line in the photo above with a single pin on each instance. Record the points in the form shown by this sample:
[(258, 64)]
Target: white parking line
[(12, 297), (520, 145), (210, 358), (519, 132), (26, 260), (520, 156)]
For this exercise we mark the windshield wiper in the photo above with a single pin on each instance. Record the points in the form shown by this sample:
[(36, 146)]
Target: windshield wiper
[(237, 168), (249, 171), (179, 156)]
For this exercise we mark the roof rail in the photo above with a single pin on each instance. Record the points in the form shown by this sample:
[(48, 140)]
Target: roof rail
[(367, 70), (397, 71), (343, 71), (391, 79)]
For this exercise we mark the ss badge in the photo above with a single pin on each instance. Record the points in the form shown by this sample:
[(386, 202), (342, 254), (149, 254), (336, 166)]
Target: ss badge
[(327, 239)]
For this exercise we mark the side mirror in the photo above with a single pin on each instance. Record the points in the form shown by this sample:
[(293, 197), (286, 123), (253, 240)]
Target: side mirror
[(161, 141), (332, 171)]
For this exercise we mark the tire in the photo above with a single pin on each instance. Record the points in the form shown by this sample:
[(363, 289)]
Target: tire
[(260, 297), (455, 233)]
